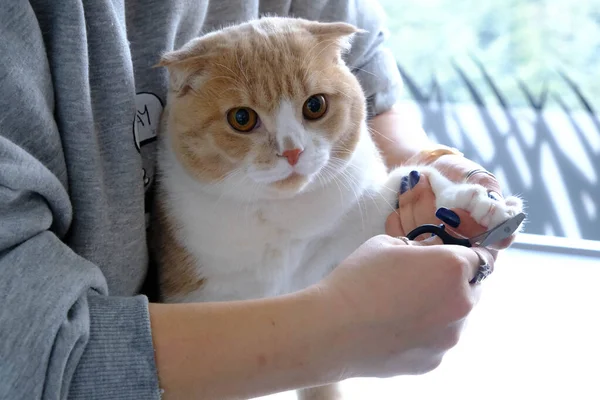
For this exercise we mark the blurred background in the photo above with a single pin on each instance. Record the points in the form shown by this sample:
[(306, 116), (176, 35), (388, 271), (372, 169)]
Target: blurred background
[(515, 84)]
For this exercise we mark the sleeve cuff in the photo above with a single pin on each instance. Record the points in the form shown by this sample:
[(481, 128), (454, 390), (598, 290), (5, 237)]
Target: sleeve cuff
[(118, 361)]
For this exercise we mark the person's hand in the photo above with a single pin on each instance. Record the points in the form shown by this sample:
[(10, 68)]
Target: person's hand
[(417, 207), (388, 309), (401, 307), (456, 168)]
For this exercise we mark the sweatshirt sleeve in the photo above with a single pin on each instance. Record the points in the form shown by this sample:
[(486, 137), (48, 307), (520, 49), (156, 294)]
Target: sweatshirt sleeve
[(369, 58), (61, 335)]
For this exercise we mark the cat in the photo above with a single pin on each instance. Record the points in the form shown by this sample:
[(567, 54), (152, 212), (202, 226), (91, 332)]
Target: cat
[(267, 174)]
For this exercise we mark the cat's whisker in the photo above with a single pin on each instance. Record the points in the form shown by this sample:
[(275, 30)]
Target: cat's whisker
[(307, 69), (229, 176), (332, 175), (232, 71), (231, 89), (390, 189), (343, 93), (332, 178), (351, 183), (239, 64), (347, 93), (392, 208), (373, 130), (367, 72), (341, 150), (229, 78), (370, 194), (320, 178), (344, 163), (344, 172)]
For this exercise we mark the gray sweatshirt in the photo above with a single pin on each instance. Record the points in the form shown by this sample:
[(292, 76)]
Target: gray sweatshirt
[(79, 106)]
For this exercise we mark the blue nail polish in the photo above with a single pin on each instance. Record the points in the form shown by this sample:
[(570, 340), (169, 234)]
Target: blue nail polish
[(493, 195), (404, 185), (448, 216), (414, 178)]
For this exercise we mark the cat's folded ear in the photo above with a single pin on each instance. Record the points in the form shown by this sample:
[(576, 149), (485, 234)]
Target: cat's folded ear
[(185, 64), (338, 33)]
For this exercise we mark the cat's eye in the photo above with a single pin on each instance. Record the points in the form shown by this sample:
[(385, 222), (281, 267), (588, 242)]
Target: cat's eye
[(314, 107), (242, 119)]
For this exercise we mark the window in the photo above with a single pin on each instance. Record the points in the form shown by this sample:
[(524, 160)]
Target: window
[(516, 85)]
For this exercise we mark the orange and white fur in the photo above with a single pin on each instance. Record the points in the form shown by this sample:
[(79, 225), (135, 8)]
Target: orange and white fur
[(268, 176)]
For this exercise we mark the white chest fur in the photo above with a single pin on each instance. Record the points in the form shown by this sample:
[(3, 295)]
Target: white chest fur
[(256, 249)]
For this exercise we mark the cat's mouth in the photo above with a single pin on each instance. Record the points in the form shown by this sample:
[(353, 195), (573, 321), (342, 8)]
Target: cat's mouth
[(292, 181)]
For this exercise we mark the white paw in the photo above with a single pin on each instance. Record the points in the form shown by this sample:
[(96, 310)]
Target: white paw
[(473, 198), (486, 211)]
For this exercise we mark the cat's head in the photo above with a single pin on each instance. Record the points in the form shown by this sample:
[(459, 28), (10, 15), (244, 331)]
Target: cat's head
[(267, 106)]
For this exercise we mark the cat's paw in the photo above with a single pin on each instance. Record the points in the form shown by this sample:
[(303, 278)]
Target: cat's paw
[(484, 207)]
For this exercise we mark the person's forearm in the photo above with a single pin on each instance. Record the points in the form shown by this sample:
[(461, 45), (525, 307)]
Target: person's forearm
[(242, 349), (398, 134)]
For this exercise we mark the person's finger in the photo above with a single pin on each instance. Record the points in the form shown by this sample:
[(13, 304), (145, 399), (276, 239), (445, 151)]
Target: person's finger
[(467, 226), (402, 221), (417, 202), (415, 198), (418, 193), (489, 182), (456, 168), (417, 185), (393, 226), (475, 258), (486, 254), (404, 241)]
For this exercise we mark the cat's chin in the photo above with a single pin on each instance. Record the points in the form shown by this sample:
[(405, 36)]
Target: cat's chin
[(289, 186)]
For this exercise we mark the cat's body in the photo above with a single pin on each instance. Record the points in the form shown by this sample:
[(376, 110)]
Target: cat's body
[(245, 214), (264, 248)]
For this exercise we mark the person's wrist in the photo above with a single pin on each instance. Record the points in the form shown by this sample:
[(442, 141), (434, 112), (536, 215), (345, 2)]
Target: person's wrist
[(329, 318), (432, 153), (459, 168)]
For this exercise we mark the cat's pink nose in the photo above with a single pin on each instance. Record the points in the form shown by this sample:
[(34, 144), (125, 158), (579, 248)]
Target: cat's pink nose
[(292, 155)]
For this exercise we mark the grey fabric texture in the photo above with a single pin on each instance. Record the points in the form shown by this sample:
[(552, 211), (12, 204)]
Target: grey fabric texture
[(78, 113)]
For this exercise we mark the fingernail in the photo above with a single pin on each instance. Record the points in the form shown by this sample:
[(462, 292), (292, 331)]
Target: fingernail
[(493, 195), (414, 178), (404, 185), (448, 216)]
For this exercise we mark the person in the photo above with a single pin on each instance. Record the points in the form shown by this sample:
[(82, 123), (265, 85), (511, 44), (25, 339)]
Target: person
[(78, 113)]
